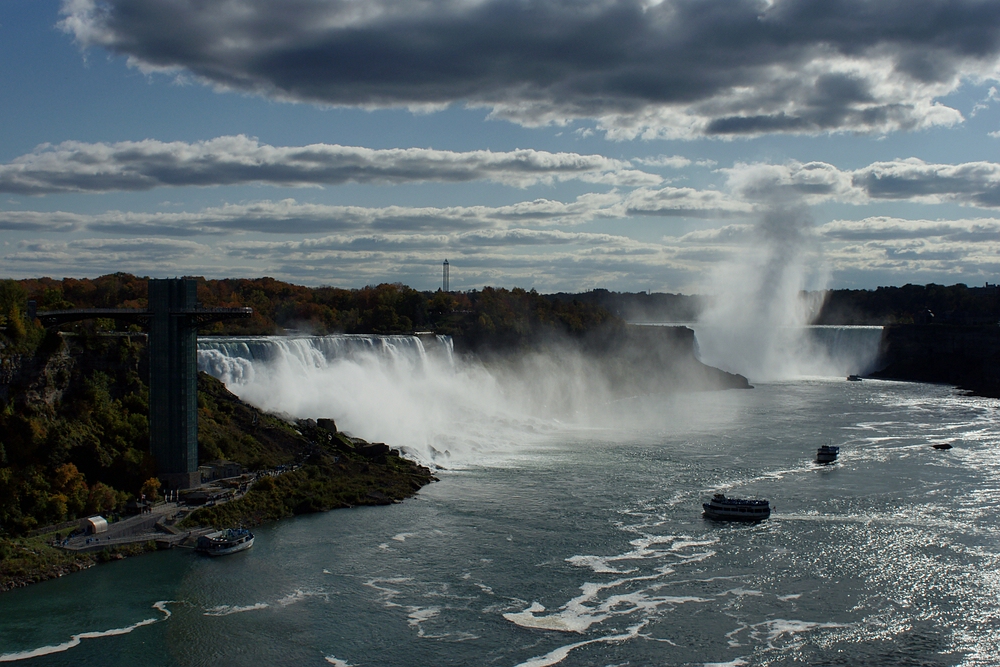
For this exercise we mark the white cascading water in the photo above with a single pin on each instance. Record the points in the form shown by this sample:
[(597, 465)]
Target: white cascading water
[(416, 395), (408, 392)]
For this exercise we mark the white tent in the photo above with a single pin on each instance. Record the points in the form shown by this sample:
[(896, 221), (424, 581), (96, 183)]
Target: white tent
[(94, 524)]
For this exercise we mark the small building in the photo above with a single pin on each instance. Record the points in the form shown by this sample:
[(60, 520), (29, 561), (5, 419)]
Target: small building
[(220, 469), (94, 525), (137, 507)]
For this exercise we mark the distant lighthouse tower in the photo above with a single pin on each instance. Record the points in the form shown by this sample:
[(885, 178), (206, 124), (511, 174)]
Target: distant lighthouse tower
[(445, 280)]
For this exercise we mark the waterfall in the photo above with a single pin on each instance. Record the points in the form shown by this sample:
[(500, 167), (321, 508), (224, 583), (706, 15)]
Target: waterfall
[(795, 352), (233, 359), (407, 391), (848, 350)]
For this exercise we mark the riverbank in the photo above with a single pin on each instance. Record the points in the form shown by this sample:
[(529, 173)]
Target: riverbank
[(73, 444), (26, 561), (965, 356), (332, 478)]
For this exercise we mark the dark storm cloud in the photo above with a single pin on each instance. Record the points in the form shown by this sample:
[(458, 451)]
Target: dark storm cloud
[(670, 68), (74, 166)]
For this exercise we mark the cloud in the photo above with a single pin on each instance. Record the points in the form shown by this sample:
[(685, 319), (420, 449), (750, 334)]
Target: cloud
[(33, 221), (290, 217), (969, 184), (688, 202), (672, 161), (74, 166), (676, 68), (105, 255), (980, 230)]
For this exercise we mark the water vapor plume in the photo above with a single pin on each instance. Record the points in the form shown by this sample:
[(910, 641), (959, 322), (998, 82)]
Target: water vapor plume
[(755, 322)]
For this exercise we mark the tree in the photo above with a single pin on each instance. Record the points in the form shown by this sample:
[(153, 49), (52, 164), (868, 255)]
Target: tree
[(71, 486), (151, 489)]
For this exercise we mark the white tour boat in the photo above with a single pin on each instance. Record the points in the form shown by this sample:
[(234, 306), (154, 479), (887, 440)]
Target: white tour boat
[(223, 542)]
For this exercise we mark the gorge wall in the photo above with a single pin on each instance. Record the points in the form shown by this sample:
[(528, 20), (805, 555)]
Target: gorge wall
[(966, 356)]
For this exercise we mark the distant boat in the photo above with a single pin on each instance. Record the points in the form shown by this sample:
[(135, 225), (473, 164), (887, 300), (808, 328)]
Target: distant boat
[(827, 454), (736, 509), (854, 378), (223, 542), (942, 445)]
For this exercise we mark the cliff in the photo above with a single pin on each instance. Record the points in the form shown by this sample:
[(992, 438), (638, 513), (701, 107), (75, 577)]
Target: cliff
[(966, 356), (633, 359), (656, 359)]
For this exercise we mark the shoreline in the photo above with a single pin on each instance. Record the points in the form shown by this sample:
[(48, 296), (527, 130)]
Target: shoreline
[(325, 482)]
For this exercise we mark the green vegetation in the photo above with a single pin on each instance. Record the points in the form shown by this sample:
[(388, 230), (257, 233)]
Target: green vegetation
[(488, 317), (327, 481), (74, 439), (28, 560), (955, 304)]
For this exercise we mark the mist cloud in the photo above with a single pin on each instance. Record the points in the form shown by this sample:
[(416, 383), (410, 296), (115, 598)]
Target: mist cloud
[(676, 68)]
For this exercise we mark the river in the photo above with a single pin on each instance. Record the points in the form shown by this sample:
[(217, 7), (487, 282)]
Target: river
[(576, 538)]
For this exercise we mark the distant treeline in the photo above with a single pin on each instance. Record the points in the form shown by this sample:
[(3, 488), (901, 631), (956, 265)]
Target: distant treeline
[(922, 304), (640, 306), (489, 317)]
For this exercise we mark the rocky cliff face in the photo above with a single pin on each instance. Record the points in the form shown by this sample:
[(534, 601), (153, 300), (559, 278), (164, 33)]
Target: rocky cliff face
[(966, 356), (658, 359), (633, 359)]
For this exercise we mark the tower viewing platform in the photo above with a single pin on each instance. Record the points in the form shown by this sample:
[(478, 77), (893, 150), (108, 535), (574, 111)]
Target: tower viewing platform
[(172, 320)]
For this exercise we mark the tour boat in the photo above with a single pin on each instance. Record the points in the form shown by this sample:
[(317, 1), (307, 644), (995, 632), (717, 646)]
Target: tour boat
[(736, 509), (827, 454), (223, 542), (854, 378)]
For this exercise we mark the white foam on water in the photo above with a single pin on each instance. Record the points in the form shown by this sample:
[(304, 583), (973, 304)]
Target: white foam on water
[(738, 662), (598, 564), (402, 536), (741, 592), (336, 662), (779, 627), (558, 655), (418, 615), (298, 595), (226, 610), (75, 640), (386, 594)]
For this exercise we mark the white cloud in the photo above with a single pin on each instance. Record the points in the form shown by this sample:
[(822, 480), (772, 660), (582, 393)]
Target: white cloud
[(687, 202), (75, 166), (970, 183), (671, 161)]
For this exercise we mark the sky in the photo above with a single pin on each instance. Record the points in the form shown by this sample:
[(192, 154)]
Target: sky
[(560, 145)]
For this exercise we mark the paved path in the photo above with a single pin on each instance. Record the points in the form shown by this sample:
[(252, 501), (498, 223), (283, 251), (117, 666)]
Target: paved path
[(141, 528)]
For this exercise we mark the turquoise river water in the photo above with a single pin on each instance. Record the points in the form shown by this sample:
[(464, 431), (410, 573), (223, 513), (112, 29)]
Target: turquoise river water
[(577, 545)]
